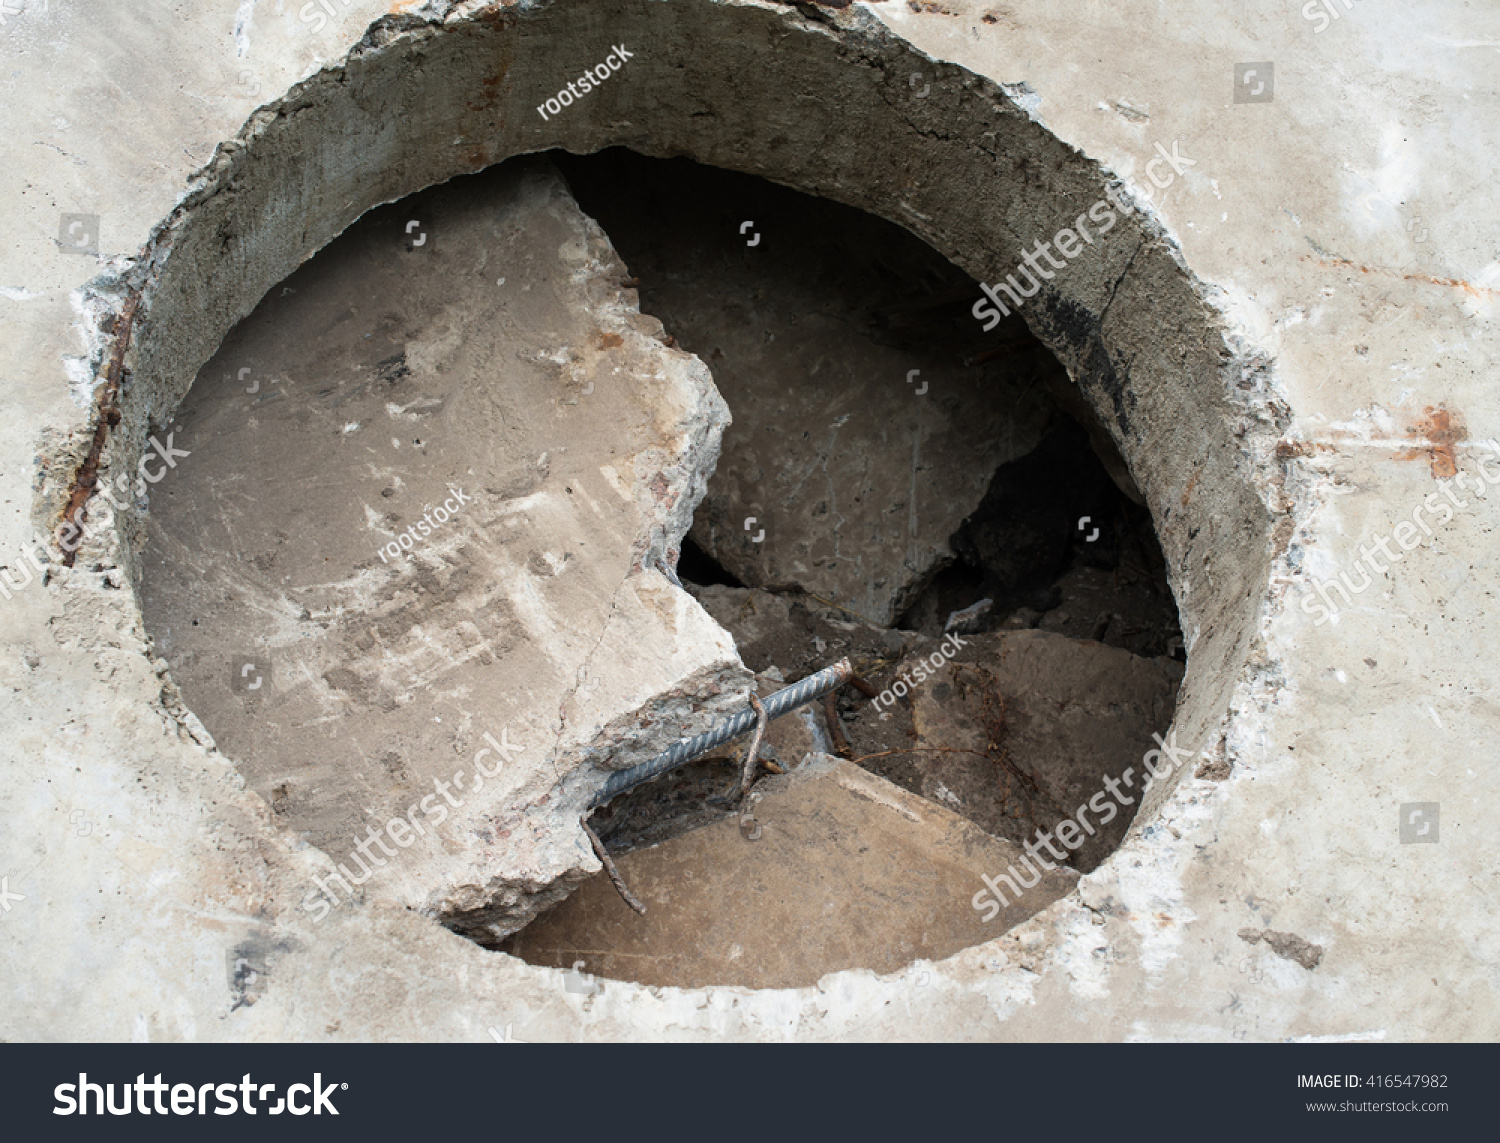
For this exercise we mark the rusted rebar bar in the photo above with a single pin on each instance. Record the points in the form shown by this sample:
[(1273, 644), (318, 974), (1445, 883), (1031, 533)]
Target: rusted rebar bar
[(747, 775), (609, 867), (86, 478)]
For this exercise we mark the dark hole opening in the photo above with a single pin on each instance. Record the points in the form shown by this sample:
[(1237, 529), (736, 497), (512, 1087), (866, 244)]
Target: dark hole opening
[(696, 566)]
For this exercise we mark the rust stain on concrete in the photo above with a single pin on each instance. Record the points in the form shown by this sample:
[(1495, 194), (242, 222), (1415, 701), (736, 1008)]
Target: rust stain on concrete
[(87, 477), (1455, 283), (1191, 484), (1439, 429)]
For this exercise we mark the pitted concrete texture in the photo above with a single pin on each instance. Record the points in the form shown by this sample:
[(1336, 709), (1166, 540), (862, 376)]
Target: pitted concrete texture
[(1263, 339), (409, 571), (841, 869)]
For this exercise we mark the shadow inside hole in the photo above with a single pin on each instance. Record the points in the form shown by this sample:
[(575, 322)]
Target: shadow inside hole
[(696, 566)]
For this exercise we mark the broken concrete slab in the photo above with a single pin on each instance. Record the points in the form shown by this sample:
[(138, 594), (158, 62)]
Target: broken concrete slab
[(408, 574), (1019, 728), (846, 871)]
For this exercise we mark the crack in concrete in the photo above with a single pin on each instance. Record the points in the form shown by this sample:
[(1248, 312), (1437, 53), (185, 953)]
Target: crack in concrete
[(562, 718)]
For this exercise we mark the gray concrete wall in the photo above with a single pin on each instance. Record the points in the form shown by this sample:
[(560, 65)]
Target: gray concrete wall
[(1264, 344)]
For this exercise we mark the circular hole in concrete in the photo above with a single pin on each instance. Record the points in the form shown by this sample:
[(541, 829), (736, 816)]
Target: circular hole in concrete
[(366, 573), (969, 169)]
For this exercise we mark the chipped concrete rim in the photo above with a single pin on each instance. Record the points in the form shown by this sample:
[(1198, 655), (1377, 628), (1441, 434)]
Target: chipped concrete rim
[(1193, 405)]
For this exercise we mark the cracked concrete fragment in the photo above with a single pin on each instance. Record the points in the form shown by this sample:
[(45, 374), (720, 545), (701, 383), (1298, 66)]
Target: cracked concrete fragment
[(408, 575)]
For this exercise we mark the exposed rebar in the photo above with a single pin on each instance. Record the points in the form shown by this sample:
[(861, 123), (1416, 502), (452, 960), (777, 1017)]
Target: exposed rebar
[(782, 702), (753, 754), (609, 867)]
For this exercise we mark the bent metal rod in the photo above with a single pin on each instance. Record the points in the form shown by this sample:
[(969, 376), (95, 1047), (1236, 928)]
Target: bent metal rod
[(782, 702)]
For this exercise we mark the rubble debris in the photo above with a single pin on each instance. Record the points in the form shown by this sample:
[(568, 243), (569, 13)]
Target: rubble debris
[(1287, 945), (970, 618)]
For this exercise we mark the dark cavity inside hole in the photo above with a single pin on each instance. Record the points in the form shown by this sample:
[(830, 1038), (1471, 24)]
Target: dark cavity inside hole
[(997, 484), (697, 567)]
